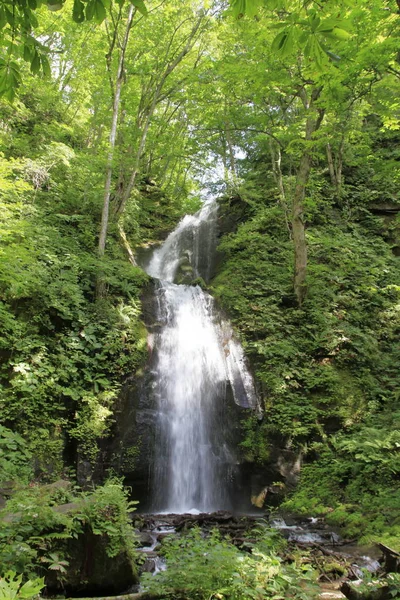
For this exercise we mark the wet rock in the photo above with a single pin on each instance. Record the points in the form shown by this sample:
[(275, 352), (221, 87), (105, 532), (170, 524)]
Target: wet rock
[(145, 539), (391, 559), (289, 466), (149, 566), (150, 554)]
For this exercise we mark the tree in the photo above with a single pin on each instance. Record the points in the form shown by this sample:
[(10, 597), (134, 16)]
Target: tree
[(178, 34), (19, 20), (316, 68)]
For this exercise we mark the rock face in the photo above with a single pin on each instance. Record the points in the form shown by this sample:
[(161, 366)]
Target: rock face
[(91, 572), (130, 452)]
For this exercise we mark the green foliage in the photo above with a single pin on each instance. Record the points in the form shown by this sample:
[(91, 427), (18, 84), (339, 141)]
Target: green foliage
[(358, 487), (326, 373), (12, 588), (215, 568), (107, 510), (370, 586), (32, 528), (15, 457), (19, 22), (34, 534), (63, 357)]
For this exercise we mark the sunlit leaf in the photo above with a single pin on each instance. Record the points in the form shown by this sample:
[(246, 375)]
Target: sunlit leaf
[(99, 11), (140, 5)]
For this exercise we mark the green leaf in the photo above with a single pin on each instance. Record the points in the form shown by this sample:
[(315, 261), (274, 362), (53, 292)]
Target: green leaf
[(45, 66), (278, 41), (283, 44), (10, 79), (238, 8), (315, 23), (35, 63), (31, 588), (99, 11), (340, 34), (140, 5), (78, 11), (3, 18), (9, 17), (90, 9), (27, 53)]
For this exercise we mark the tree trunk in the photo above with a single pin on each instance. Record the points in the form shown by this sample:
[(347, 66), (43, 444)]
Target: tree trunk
[(331, 165), (126, 245), (298, 229), (232, 161), (303, 173), (113, 135), (335, 168), (339, 167), (276, 158)]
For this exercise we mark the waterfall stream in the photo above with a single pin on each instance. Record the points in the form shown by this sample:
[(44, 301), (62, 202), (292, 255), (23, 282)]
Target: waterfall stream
[(199, 363)]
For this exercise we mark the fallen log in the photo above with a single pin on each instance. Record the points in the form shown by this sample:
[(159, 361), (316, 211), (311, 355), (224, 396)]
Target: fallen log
[(375, 593), (391, 559)]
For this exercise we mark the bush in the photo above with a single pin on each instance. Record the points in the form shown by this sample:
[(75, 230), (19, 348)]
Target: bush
[(34, 536)]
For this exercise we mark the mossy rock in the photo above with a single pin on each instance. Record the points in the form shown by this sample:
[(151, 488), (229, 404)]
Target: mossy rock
[(91, 571)]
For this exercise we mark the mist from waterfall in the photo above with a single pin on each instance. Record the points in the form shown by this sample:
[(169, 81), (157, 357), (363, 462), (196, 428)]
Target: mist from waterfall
[(198, 363)]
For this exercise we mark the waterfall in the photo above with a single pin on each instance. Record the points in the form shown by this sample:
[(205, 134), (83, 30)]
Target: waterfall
[(198, 362)]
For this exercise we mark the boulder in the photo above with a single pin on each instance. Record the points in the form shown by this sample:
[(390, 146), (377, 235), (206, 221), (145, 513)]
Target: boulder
[(91, 571)]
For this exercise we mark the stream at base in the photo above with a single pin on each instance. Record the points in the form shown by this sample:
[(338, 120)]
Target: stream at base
[(305, 534)]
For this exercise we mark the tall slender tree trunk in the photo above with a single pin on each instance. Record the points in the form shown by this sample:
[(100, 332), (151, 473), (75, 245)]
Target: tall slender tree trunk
[(276, 159), (105, 215), (232, 160), (339, 167), (113, 135), (335, 168), (298, 222), (298, 229), (112, 138), (331, 164)]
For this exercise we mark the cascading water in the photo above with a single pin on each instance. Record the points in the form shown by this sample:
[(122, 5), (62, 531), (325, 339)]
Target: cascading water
[(197, 361)]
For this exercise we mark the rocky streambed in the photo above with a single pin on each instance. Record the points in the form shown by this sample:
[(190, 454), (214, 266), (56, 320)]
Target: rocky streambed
[(336, 559)]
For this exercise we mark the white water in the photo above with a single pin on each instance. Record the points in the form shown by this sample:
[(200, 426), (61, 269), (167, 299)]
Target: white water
[(198, 361)]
